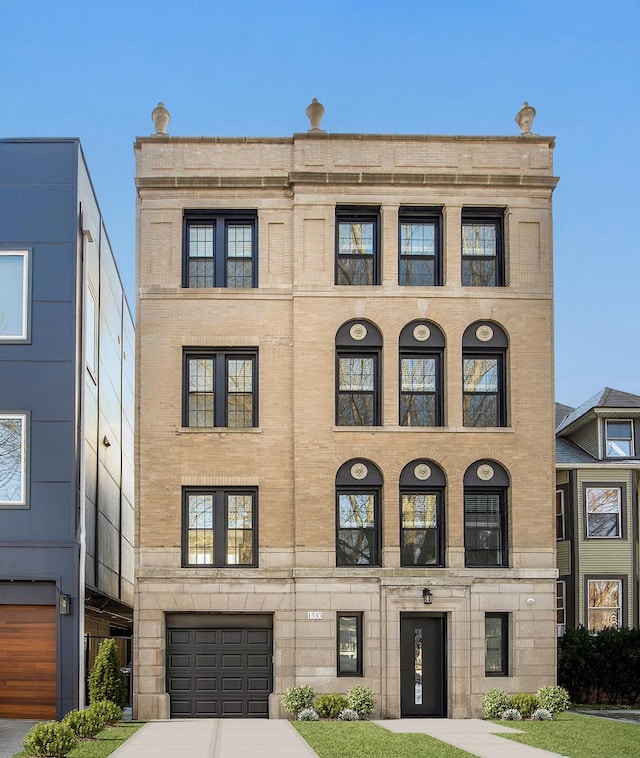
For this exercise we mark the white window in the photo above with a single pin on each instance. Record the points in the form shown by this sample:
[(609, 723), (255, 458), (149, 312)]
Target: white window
[(604, 604), (14, 296), (604, 509), (13, 447), (560, 515), (561, 607), (619, 439)]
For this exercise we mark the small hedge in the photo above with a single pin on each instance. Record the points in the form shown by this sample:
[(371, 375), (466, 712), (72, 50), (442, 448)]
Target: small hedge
[(360, 699), (524, 703), (85, 724), (547, 700), (109, 712), (53, 739), (296, 699), (329, 706)]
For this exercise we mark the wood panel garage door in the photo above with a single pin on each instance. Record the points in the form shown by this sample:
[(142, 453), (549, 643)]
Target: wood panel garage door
[(219, 672), (28, 661)]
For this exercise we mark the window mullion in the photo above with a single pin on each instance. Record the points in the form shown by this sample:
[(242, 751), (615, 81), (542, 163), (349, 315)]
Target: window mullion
[(220, 252)]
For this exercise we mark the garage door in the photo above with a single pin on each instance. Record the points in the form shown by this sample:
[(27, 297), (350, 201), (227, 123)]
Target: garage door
[(220, 672), (28, 661)]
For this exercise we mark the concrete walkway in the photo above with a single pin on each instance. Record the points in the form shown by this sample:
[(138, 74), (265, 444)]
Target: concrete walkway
[(473, 735), (12, 732)]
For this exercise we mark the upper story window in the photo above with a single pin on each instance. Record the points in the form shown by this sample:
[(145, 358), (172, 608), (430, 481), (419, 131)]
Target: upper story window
[(420, 250), (603, 511), (604, 609), (357, 245), (560, 515), (358, 353), (486, 484), (220, 388), (619, 439), (15, 296), (13, 459), (220, 249), (220, 527), (483, 247), (421, 361), (422, 485), (358, 526), (484, 348)]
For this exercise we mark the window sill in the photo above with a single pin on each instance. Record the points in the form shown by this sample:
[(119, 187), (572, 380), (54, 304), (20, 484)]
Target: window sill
[(427, 429), (218, 430)]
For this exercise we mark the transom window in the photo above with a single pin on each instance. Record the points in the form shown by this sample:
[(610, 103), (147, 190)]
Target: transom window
[(13, 460), (220, 389), (420, 263), (358, 485), (358, 349), (421, 514), (619, 439), (483, 366), (220, 249), (604, 511), (482, 248), (421, 353), (220, 528), (604, 604), (357, 245), (485, 515), (14, 296)]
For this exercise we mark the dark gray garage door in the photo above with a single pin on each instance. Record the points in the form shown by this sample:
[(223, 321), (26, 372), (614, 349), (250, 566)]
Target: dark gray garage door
[(220, 671)]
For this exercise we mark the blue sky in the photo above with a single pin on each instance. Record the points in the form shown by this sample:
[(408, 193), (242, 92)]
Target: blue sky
[(95, 70)]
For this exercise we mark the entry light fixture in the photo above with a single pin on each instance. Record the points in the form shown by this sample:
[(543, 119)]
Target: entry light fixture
[(427, 597), (64, 605)]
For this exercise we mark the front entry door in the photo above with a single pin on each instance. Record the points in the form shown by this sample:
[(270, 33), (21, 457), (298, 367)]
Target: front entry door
[(422, 665)]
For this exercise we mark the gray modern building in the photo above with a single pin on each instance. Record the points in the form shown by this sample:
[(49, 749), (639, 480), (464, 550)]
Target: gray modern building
[(66, 431)]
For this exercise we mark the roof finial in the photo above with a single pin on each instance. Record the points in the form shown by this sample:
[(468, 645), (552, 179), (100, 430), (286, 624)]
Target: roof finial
[(315, 112), (160, 116), (524, 119)]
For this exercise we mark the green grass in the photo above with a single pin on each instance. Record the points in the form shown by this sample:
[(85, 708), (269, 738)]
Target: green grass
[(579, 736), (104, 744), (362, 739)]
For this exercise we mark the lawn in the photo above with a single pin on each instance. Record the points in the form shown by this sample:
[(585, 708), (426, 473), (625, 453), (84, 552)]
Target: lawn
[(579, 736), (362, 739), (104, 744)]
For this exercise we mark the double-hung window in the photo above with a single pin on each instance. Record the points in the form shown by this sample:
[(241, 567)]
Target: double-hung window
[(604, 604), (420, 250), (15, 295), (220, 527), (421, 359), (220, 249), (483, 247), (357, 245), (561, 607), (603, 511), (484, 347), (358, 397), (421, 514), (496, 635), (13, 460), (220, 388), (485, 515), (619, 439), (358, 527), (560, 515)]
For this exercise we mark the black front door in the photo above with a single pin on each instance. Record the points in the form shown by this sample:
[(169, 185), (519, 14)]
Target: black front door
[(422, 665)]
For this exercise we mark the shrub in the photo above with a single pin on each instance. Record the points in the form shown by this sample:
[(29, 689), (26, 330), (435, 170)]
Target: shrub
[(52, 739), (105, 680), (524, 702), (494, 703), (109, 712), (329, 706), (360, 699), (348, 714), (307, 714), (295, 699), (541, 714), (553, 699), (511, 714), (84, 724)]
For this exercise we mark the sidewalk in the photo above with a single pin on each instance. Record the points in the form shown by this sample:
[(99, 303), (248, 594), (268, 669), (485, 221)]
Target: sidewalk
[(12, 732)]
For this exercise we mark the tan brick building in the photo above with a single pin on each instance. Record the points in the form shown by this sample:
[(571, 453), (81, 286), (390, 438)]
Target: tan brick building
[(345, 421)]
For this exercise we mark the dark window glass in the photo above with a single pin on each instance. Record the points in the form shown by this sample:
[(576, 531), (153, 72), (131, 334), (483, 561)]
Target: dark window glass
[(358, 528), (496, 634), (221, 389), (559, 515), (349, 644), (418, 251), (619, 439), (421, 530), (482, 402), (357, 394), (485, 528), (219, 528), (482, 250)]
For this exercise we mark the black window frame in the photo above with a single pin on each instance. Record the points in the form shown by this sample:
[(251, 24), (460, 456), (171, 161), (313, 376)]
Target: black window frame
[(412, 348), (486, 478), (423, 477), (489, 217), (220, 357), (494, 348), (368, 347), (421, 215), (370, 485), (359, 667), (220, 525), (503, 643), (220, 221), (358, 214)]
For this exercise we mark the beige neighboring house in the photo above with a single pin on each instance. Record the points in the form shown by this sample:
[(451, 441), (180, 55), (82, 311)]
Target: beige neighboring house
[(345, 451)]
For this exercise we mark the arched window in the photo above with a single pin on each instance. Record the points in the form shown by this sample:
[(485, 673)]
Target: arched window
[(484, 353), (358, 528), (422, 485), (486, 485), (421, 367), (358, 355)]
